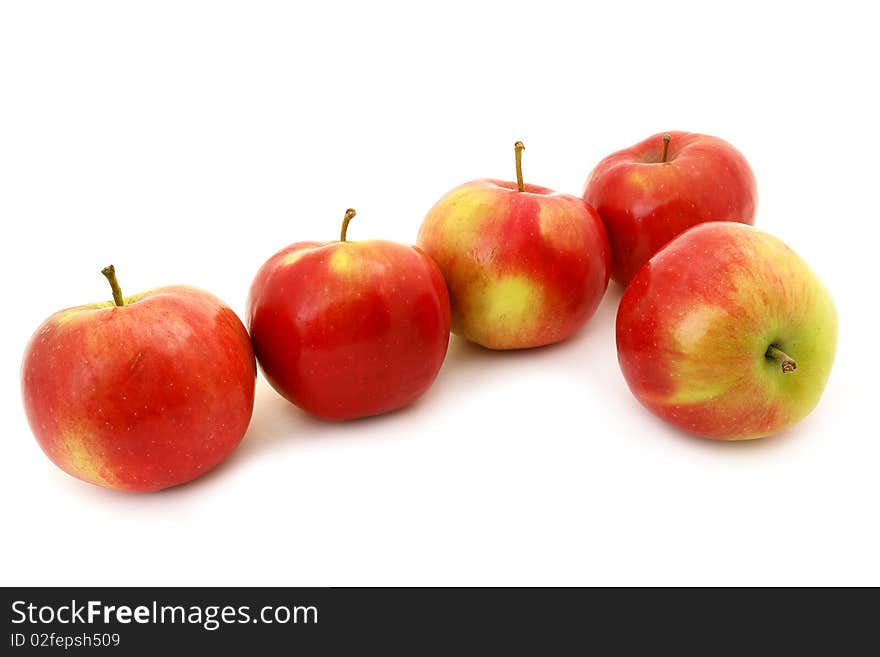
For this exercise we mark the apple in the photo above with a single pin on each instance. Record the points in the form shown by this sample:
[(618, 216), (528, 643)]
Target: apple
[(142, 392), (526, 266), (349, 329), (651, 192), (727, 333)]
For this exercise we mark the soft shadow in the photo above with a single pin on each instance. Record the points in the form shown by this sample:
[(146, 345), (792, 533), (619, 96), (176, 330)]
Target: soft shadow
[(461, 349), (277, 420), (275, 423), (661, 427), (589, 352)]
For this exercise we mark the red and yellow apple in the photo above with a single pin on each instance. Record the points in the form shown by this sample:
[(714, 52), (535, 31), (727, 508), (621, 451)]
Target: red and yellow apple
[(727, 333), (525, 266), (142, 392), (349, 329), (651, 192)]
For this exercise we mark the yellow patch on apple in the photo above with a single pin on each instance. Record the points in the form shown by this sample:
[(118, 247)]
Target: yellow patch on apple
[(636, 179), (557, 229), (341, 261), (463, 210), (506, 306), (293, 256), (81, 462)]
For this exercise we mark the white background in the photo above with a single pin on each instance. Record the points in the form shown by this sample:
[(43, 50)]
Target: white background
[(186, 142)]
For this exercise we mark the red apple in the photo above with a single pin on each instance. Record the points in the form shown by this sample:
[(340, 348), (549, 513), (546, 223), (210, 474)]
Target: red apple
[(653, 191), (142, 392), (727, 333), (349, 329), (526, 266)]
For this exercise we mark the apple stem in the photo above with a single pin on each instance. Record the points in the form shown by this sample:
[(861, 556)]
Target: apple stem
[(518, 148), (349, 215), (110, 272), (788, 364), (666, 140)]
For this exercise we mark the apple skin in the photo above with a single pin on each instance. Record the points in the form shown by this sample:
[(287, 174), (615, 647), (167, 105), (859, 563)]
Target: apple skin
[(524, 269), (349, 329), (646, 202), (695, 324), (140, 397)]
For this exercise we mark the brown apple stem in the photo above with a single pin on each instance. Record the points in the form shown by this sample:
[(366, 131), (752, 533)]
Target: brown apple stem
[(110, 272), (518, 148), (666, 140), (349, 215), (788, 364)]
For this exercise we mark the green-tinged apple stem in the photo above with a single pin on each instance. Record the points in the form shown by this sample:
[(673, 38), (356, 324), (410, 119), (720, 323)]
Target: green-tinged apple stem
[(518, 148), (110, 272), (349, 215), (788, 364), (666, 140)]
